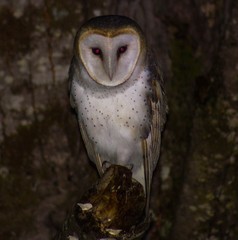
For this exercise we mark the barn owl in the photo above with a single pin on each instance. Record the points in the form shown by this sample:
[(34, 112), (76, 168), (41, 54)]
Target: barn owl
[(117, 92)]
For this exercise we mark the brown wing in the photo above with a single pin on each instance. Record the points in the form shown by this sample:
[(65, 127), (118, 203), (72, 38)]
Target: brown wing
[(151, 145)]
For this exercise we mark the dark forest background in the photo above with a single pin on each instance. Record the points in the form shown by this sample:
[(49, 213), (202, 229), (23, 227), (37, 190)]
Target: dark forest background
[(43, 164)]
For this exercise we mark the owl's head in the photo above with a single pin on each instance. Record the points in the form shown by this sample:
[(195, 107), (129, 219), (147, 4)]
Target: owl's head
[(109, 48)]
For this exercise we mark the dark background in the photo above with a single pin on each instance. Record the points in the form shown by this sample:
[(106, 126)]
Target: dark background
[(43, 164)]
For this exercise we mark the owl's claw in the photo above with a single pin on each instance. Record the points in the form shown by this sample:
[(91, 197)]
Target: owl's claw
[(130, 166), (106, 165)]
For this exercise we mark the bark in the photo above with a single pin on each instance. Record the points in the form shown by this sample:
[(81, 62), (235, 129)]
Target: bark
[(43, 164)]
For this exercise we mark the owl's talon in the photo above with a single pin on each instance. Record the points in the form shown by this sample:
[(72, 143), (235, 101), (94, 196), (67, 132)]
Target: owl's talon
[(130, 166), (106, 165)]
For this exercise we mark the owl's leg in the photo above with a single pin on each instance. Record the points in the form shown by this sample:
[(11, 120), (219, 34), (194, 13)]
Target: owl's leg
[(101, 165), (105, 165), (148, 170)]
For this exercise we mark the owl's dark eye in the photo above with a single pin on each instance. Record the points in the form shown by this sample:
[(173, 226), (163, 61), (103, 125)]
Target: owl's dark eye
[(96, 51), (121, 50)]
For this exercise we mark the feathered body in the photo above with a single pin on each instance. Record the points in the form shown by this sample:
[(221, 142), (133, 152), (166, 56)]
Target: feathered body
[(120, 118)]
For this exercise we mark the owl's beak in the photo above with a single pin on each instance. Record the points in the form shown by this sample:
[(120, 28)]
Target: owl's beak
[(110, 66)]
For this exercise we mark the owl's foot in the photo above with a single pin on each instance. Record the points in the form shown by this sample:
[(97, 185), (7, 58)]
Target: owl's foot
[(106, 165)]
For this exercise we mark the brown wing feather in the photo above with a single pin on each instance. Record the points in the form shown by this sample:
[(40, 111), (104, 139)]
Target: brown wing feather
[(151, 145)]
